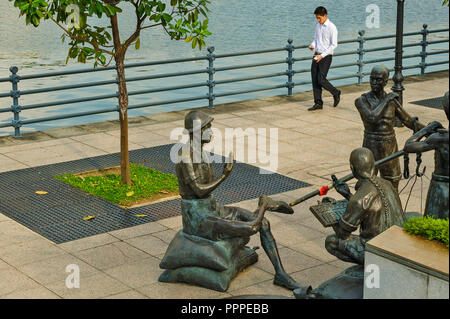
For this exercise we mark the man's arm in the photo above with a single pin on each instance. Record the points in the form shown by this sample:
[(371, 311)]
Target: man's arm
[(312, 45), (410, 122), (414, 143), (351, 219), (373, 116), (333, 44), (202, 190)]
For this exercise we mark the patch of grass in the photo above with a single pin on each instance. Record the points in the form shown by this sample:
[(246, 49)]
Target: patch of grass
[(146, 183), (428, 227)]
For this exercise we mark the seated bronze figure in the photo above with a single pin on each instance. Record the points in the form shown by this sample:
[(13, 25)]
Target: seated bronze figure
[(210, 249), (374, 208)]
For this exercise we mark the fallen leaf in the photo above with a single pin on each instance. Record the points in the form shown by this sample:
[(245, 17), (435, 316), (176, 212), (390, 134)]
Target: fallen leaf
[(88, 217), (140, 215), (129, 194), (41, 192)]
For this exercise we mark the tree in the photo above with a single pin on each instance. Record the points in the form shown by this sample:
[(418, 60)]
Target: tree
[(90, 41)]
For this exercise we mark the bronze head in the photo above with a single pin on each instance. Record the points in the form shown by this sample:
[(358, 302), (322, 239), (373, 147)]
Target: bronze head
[(199, 119), (362, 163), (379, 78)]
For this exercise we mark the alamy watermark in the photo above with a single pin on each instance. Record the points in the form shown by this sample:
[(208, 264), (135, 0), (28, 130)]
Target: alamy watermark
[(73, 279), (257, 150), (372, 279), (73, 19), (373, 19)]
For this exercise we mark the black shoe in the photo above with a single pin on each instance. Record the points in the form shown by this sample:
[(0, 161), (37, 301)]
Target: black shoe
[(315, 107), (337, 99)]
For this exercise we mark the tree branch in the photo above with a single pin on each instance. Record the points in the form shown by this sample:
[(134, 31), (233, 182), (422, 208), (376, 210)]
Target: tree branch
[(74, 37)]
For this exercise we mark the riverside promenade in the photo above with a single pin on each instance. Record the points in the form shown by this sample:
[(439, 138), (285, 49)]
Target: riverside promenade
[(125, 263)]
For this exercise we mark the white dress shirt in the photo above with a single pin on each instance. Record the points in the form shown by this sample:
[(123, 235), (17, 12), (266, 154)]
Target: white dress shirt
[(325, 38)]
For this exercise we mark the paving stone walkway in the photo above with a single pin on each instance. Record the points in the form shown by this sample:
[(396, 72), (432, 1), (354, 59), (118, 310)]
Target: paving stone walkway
[(125, 263)]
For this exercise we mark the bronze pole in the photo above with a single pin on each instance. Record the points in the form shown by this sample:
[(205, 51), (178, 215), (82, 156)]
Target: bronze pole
[(398, 76)]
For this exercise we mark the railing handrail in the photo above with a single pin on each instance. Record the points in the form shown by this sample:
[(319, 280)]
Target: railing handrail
[(15, 93)]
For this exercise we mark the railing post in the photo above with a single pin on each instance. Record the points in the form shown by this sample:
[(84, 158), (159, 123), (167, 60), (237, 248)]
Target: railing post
[(423, 54), (210, 82), (290, 62), (15, 94), (360, 51)]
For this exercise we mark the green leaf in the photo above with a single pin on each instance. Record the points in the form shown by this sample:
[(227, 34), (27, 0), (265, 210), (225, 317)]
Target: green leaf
[(137, 45)]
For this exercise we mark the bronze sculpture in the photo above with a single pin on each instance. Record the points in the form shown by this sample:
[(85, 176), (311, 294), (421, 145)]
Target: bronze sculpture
[(437, 139), (373, 208), (378, 111), (210, 249)]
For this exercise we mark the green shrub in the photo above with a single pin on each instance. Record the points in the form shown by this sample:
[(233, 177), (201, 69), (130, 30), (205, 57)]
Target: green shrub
[(428, 227)]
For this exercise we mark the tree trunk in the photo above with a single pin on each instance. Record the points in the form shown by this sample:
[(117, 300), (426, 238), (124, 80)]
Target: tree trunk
[(119, 58)]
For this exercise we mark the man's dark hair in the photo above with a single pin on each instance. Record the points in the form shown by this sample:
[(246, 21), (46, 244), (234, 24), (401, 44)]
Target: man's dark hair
[(321, 11)]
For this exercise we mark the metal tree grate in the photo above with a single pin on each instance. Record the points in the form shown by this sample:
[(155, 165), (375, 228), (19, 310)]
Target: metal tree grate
[(58, 215)]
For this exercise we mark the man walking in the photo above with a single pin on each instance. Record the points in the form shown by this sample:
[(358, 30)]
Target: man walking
[(324, 44)]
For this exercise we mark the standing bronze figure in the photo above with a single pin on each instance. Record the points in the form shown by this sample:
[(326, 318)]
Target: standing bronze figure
[(437, 139), (378, 111), (374, 208), (220, 231)]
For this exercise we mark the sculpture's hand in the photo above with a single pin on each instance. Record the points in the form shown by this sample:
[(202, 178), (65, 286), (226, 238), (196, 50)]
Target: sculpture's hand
[(228, 167), (341, 187), (434, 126), (391, 96)]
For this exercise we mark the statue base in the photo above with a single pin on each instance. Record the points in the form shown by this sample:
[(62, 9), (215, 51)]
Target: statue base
[(209, 278), (349, 284)]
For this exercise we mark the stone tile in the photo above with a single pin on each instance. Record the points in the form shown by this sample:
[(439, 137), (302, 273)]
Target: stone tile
[(111, 255), (315, 249), (131, 294), (316, 275), (35, 293), (92, 287), (100, 143), (162, 290), (53, 269), (4, 266), (292, 234), (292, 261), (266, 288), (13, 281), (13, 233), (149, 243), (7, 164), (166, 235), (137, 274), (29, 252), (136, 231), (172, 222), (88, 242), (248, 277)]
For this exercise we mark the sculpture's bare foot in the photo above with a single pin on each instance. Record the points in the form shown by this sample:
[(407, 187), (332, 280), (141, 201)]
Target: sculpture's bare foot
[(275, 205), (286, 281)]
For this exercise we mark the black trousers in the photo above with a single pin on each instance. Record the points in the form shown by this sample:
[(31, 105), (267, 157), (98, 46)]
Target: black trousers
[(319, 73)]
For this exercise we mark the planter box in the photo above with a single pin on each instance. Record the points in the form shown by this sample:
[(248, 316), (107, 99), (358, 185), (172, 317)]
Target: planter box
[(409, 267)]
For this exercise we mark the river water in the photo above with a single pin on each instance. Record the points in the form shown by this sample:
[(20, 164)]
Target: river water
[(237, 25)]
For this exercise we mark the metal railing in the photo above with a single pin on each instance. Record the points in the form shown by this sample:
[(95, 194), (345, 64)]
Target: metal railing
[(16, 108)]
